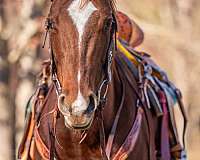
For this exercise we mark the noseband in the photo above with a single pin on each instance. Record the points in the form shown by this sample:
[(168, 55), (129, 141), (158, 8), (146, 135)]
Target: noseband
[(101, 96)]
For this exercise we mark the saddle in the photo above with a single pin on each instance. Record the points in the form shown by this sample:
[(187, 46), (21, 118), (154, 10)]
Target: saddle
[(128, 30)]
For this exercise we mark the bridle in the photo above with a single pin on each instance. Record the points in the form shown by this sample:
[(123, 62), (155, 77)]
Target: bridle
[(107, 69), (103, 88)]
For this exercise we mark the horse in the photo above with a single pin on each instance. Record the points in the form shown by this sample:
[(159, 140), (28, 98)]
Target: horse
[(94, 106)]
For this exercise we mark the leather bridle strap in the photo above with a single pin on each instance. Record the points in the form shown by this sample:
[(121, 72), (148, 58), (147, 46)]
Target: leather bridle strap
[(102, 96), (101, 134), (108, 73), (108, 76), (104, 85), (54, 74)]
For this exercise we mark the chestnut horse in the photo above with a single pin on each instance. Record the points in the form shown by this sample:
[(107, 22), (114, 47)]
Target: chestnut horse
[(94, 108)]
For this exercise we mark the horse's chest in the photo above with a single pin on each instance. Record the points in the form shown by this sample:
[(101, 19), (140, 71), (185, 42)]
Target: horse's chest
[(78, 152), (68, 146)]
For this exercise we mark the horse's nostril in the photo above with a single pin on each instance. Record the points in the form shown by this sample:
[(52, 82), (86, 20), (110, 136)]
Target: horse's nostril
[(62, 105), (92, 104), (61, 99)]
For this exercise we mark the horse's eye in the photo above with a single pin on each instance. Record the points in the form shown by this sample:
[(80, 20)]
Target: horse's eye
[(108, 24)]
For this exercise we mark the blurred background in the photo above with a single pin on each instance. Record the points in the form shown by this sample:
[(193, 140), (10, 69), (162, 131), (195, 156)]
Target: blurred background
[(172, 37)]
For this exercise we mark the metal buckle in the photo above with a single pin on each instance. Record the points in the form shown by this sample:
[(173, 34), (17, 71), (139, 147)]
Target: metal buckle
[(109, 65), (57, 84), (105, 82)]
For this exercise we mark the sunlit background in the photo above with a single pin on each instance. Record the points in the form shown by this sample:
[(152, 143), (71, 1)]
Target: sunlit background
[(172, 37)]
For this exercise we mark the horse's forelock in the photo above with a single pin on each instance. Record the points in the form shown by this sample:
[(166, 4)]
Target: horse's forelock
[(85, 2), (57, 4)]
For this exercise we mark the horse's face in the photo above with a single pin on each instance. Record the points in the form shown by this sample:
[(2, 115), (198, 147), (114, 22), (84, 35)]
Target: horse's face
[(79, 40)]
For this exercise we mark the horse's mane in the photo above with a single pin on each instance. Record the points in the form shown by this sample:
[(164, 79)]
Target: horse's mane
[(112, 3)]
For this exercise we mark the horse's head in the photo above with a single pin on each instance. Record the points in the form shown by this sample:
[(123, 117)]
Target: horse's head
[(81, 39)]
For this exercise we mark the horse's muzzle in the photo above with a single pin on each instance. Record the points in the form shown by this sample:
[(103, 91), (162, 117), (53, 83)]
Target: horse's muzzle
[(80, 115)]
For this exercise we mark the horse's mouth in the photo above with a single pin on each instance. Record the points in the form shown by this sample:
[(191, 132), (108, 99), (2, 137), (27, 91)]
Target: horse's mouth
[(79, 122)]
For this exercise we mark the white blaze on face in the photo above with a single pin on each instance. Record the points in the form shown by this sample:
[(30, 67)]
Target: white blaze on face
[(80, 104), (80, 17)]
